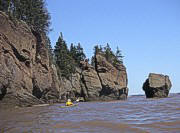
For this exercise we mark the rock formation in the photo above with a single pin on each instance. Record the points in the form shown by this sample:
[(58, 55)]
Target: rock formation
[(157, 85), (103, 82), (26, 77), (91, 82), (113, 79)]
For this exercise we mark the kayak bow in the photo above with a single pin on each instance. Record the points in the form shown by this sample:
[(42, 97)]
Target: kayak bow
[(68, 106)]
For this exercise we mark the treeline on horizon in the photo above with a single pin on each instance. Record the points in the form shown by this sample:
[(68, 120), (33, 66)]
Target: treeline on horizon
[(36, 15)]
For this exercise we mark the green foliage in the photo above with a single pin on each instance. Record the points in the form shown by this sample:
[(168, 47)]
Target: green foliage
[(80, 53), (73, 50), (97, 49), (119, 57), (111, 57), (33, 12), (5, 5), (63, 58), (50, 51), (77, 53), (67, 60)]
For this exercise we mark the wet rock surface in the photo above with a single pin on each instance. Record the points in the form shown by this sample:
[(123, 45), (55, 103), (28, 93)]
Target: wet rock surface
[(157, 85)]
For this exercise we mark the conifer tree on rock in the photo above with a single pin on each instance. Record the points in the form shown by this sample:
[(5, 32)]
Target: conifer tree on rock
[(118, 57), (77, 53), (63, 58), (33, 12), (111, 57)]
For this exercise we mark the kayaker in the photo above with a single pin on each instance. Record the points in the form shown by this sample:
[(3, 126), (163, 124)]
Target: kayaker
[(69, 103)]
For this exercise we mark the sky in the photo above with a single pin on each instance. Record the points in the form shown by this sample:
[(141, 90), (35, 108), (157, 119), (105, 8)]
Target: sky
[(146, 31)]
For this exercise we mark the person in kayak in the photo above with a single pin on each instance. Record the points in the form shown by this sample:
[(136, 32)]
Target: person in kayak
[(69, 103)]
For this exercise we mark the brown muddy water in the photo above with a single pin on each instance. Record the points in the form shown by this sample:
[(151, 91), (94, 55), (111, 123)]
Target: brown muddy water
[(136, 115)]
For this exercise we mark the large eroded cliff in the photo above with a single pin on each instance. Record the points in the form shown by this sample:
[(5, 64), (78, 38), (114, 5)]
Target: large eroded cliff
[(102, 82), (27, 78)]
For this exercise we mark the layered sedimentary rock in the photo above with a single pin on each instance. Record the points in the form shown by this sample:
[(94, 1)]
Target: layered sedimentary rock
[(26, 77), (73, 87), (157, 85), (103, 82), (91, 82), (113, 79)]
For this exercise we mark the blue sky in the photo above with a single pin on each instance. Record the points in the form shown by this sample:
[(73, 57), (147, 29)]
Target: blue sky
[(147, 32)]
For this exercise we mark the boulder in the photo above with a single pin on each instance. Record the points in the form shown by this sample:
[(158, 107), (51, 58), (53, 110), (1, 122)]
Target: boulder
[(157, 85)]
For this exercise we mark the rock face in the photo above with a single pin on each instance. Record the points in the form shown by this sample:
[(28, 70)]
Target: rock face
[(157, 85), (91, 82), (103, 82), (113, 79), (26, 77)]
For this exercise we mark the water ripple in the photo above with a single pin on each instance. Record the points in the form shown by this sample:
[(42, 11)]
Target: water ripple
[(137, 114)]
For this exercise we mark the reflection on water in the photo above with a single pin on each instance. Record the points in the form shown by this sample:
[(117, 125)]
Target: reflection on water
[(137, 114)]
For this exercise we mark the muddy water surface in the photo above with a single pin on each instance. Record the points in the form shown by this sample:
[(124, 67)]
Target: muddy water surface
[(137, 114)]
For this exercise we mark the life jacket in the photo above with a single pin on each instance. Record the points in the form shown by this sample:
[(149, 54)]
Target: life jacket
[(69, 103)]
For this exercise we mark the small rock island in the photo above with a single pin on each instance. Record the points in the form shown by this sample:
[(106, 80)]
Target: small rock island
[(157, 86)]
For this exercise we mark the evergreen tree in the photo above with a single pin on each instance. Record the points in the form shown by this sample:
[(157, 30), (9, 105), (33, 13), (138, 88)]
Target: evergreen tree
[(80, 53), (73, 51), (77, 53), (108, 53), (33, 12), (50, 51), (63, 58), (5, 5), (97, 49), (118, 57)]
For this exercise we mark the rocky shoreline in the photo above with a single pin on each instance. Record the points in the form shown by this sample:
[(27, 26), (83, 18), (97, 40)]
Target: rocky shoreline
[(28, 78)]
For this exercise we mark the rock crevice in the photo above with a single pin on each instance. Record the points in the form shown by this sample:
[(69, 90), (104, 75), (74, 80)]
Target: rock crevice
[(27, 77), (19, 66)]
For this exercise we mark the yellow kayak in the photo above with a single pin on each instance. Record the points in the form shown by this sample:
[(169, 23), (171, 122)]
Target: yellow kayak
[(69, 106)]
